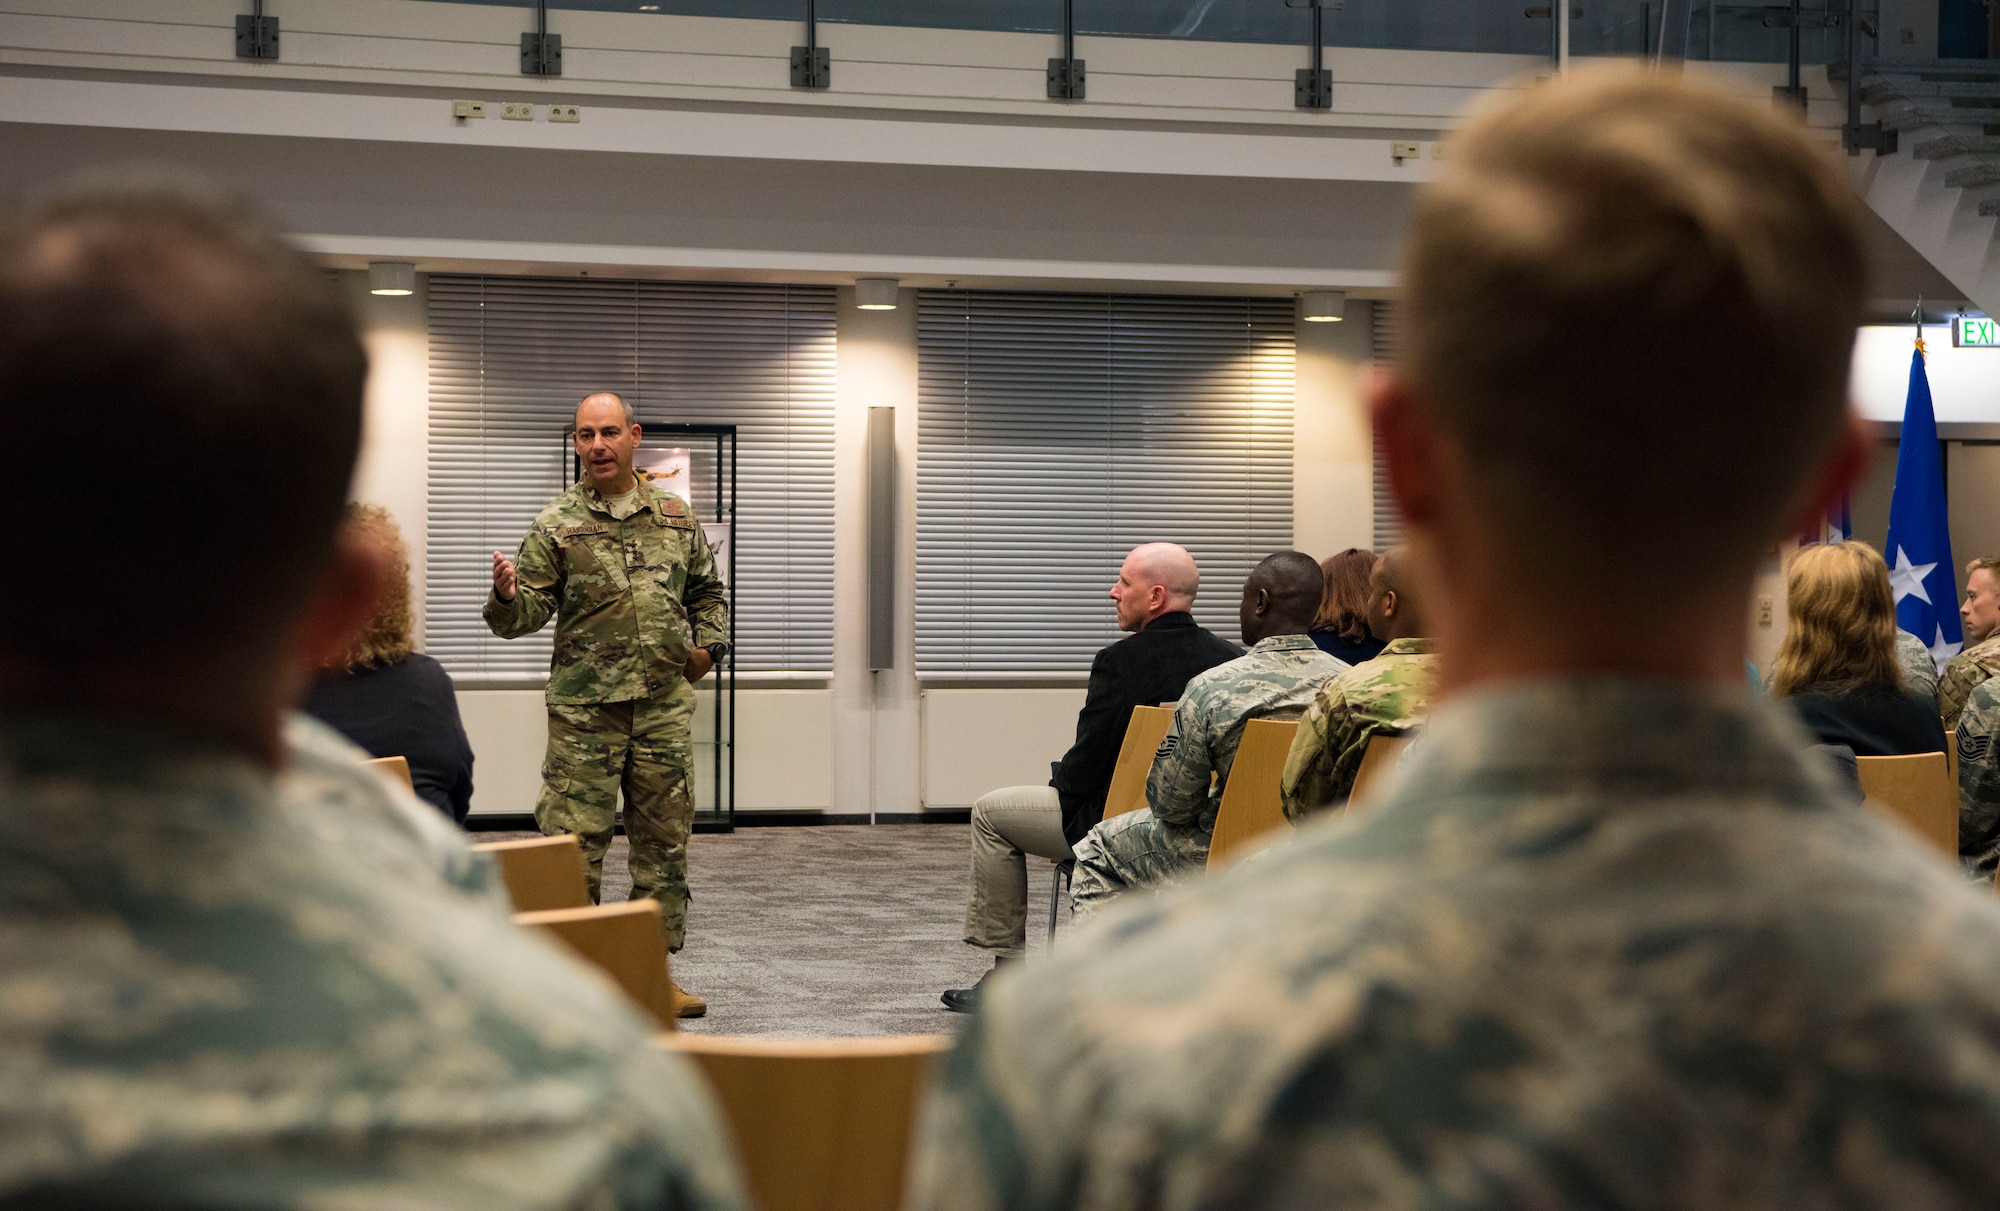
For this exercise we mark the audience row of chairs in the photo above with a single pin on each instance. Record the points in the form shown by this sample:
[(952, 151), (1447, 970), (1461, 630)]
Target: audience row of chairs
[(820, 1124)]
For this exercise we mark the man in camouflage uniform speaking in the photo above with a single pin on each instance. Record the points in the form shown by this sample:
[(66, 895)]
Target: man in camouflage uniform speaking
[(1611, 938), (1275, 679), (641, 615), (1383, 696)]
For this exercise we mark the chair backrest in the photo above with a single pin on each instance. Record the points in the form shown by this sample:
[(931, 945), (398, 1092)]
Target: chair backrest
[(395, 767), (541, 872), (1143, 733), (1951, 753), (1917, 790), (1376, 760), (626, 940), (1250, 812), (820, 1124)]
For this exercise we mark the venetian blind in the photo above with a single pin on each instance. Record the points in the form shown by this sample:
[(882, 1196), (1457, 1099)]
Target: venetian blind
[(1382, 347), (509, 358), (1058, 431)]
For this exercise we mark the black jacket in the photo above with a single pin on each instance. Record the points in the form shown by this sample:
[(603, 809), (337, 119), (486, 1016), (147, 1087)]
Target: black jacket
[(1145, 669), (1875, 721), (406, 709)]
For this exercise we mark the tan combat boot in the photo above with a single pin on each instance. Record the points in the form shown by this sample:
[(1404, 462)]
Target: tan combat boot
[(686, 1004)]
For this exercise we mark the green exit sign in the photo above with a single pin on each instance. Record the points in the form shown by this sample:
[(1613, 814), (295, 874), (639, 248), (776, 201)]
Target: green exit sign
[(1975, 333)]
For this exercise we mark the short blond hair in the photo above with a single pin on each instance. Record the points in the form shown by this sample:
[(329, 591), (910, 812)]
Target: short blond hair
[(1985, 563), (1841, 625), (1633, 298), (386, 638)]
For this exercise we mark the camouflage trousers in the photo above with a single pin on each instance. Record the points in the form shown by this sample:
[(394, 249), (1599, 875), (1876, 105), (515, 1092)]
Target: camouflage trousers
[(1132, 851), (642, 748)]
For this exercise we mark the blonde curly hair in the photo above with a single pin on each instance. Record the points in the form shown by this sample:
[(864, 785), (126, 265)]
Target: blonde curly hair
[(386, 638), (1842, 632)]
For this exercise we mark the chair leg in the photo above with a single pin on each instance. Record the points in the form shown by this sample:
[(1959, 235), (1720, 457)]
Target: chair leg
[(1059, 877)]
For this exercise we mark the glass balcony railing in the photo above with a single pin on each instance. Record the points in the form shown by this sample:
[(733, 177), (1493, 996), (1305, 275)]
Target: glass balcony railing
[(1729, 32)]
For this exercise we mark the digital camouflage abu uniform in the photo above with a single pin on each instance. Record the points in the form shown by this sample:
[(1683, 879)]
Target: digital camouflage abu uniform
[(1602, 944), (631, 597), (1920, 670), (1979, 780), (1967, 669), (216, 994), (1275, 679), (1384, 696)]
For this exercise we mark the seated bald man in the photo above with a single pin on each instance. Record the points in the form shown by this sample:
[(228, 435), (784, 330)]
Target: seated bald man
[(1276, 679), (1155, 590)]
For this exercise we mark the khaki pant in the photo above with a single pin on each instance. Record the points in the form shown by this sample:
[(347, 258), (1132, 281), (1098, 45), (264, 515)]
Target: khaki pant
[(642, 748), (1007, 825)]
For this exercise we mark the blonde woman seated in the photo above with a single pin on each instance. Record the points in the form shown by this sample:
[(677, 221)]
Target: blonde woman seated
[(391, 700), (1838, 665)]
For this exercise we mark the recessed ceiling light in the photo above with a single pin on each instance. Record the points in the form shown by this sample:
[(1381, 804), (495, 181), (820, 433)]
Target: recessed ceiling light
[(875, 294), (649, 8), (392, 277), (1322, 306)]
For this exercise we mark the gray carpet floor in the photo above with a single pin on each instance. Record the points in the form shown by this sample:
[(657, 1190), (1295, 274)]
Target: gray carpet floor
[(846, 930)]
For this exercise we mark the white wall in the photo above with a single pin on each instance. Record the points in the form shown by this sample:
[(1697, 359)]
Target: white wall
[(1965, 383), (1332, 443), (976, 740)]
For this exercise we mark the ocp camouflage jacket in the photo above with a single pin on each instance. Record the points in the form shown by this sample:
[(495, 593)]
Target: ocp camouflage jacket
[(630, 598)]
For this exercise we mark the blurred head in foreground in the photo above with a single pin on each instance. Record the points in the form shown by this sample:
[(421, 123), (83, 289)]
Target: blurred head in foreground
[(180, 399), (1630, 302)]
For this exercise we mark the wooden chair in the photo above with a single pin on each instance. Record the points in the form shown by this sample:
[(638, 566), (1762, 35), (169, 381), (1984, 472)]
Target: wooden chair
[(626, 940), (820, 1124), (541, 872), (1143, 734), (1381, 755), (1251, 814), (396, 767), (1917, 790)]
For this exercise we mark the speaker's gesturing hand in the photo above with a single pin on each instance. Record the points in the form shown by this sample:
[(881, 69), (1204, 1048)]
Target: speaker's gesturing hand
[(503, 577)]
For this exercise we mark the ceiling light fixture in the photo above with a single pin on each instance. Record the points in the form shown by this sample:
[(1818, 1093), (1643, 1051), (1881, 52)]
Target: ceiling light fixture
[(392, 277), (875, 294), (1323, 306)]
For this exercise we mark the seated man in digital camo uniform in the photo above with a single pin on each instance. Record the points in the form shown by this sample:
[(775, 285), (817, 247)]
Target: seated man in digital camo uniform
[(1275, 679)]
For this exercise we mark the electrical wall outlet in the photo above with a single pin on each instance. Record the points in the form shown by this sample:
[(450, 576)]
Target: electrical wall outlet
[(565, 113), (1406, 151), (468, 109), (1763, 611), (517, 111)]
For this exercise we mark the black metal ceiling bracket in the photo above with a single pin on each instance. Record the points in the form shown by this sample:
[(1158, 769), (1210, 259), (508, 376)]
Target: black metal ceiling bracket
[(1066, 78), (812, 66), (256, 34), (1792, 92), (1854, 135), (1312, 87), (541, 51)]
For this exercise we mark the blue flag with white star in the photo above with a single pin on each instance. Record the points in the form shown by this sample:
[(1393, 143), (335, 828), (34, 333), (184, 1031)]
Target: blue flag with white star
[(1919, 547)]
